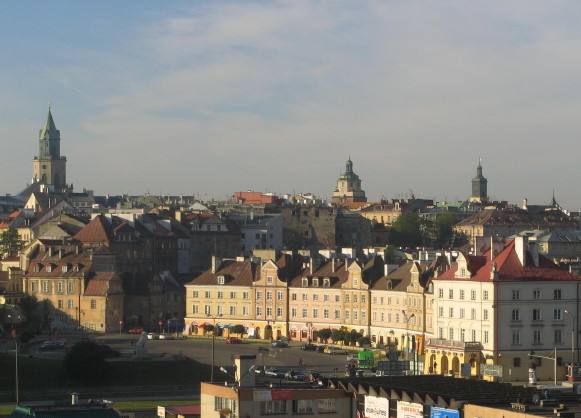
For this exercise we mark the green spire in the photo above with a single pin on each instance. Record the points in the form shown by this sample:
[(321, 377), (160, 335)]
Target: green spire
[(49, 131)]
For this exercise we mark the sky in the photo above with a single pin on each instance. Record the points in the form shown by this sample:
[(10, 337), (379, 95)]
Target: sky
[(208, 98)]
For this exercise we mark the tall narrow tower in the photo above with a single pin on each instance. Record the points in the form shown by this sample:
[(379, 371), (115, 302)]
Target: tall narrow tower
[(348, 187), (479, 186), (50, 167)]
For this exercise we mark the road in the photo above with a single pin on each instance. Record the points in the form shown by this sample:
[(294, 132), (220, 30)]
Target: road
[(200, 349)]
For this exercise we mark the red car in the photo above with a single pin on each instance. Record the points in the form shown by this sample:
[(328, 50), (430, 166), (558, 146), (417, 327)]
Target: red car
[(136, 330), (233, 340)]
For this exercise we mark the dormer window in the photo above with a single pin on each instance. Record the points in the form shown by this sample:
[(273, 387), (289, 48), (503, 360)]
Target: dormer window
[(75, 268), (305, 282), (326, 283), (355, 282), (221, 280), (37, 268), (269, 279), (64, 269), (49, 268), (315, 282)]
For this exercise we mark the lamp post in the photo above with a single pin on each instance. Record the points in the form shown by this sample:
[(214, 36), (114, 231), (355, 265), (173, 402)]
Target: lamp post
[(213, 343), (573, 326), (407, 318), (554, 358), (309, 327)]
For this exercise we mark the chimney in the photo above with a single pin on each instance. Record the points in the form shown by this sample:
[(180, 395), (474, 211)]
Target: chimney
[(311, 265), (245, 375), (215, 264), (61, 252), (534, 250), (346, 264), (50, 251), (520, 246), (496, 246), (178, 215), (333, 266)]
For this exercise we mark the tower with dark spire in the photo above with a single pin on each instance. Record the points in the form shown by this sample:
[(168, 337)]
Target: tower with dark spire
[(49, 167), (348, 186), (479, 186)]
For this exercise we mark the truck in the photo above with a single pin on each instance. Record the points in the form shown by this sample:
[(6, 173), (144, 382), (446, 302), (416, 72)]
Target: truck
[(366, 360)]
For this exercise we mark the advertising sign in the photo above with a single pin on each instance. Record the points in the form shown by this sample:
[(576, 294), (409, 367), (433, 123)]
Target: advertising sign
[(438, 412), (376, 407), (409, 410)]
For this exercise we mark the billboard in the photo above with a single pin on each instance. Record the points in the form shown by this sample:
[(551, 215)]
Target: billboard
[(376, 407), (409, 410), (438, 412)]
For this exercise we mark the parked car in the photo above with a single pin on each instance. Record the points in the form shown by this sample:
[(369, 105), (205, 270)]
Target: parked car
[(57, 341), (322, 348), (153, 336), (309, 347), (308, 376), (279, 344), (52, 345), (137, 330), (166, 336), (272, 372), (352, 358), (233, 340), (291, 375), (336, 350)]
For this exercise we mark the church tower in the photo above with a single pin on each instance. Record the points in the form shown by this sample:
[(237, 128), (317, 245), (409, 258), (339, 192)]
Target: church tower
[(479, 186), (50, 167), (348, 187)]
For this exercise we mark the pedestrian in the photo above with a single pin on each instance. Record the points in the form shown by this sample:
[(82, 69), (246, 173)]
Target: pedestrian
[(300, 362)]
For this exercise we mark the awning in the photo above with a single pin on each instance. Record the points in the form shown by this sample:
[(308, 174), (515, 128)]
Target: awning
[(202, 325), (226, 326)]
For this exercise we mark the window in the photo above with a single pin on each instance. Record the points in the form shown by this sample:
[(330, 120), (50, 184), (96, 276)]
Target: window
[(315, 297), (45, 287), (473, 335), (220, 295), (207, 295), (303, 406), (272, 407), (279, 295), (516, 339), (293, 296), (462, 334), (315, 282), (450, 313), (232, 310), (355, 315), (278, 312), (461, 293), (305, 297), (269, 311), (305, 282), (451, 333), (37, 268), (473, 314), (195, 309), (60, 287), (451, 294), (346, 315), (337, 298), (485, 294), (326, 297), (220, 279), (60, 304), (304, 312), (441, 293), (259, 311), (294, 312), (557, 315), (557, 294), (259, 295), (537, 315), (441, 333), (64, 269), (269, 295), (516, 295), (346, 298), (485, 337), (355, 298), (516, 361), (440, 311), (537, 337), (337, 314), (207, 309), (326, 283), (516, 315), (245, 295), (269, 279), (485, 315), (355, 282), (232, 295), (462, 314), (93, 304), (195, 294), (245, 311), (49, 268), (315, 313), (558, 336), (537, 294), (363, 299), (473, 294), (71, 304), (326, 313)]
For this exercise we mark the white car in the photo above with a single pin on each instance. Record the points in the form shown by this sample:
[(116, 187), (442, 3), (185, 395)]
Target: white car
[(153, 336)]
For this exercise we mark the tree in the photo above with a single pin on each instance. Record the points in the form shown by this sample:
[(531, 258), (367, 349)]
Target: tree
[(406, 231), (10, 243), (86, 361), (353, 336), (238, 329), (208, 328), (338, 335), (325, 334)]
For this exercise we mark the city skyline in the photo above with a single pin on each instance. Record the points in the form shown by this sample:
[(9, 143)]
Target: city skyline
[(208, 99)]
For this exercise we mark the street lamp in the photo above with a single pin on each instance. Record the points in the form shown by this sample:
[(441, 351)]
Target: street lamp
[(573, 326), (554, 358), (407, 318), (309, 327), (213, 343)]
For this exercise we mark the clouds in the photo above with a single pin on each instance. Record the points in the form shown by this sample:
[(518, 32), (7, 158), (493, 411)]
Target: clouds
[(214, 97)]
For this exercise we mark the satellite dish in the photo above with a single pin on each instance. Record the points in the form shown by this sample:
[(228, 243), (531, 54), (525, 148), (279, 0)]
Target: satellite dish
[(536, 398)]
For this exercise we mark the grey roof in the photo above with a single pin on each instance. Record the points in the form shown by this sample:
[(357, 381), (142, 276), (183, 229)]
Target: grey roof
[(573, 237)]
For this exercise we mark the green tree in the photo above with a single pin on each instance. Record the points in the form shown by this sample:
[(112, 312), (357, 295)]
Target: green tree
[(10, 243), (325, 334), (238, 329), (86, 361), (338, 335), (208, 328), (406, 231)]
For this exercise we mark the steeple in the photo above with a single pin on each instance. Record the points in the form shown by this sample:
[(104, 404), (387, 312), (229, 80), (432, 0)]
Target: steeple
[(479, 185), (50, 167), (348, 186), (50, 138)]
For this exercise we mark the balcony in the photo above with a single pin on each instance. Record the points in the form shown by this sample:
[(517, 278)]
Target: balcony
[(465, 345)]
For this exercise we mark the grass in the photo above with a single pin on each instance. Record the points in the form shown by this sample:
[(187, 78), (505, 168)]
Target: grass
[(128, 406)]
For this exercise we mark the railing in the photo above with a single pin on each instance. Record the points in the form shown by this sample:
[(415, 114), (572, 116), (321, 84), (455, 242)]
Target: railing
[(472, 345)]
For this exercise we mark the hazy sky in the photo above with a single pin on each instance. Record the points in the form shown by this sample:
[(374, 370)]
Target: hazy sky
[(209, 98)]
